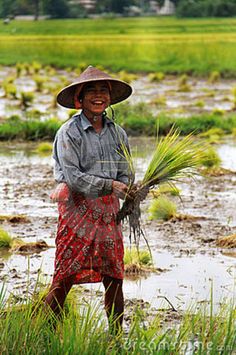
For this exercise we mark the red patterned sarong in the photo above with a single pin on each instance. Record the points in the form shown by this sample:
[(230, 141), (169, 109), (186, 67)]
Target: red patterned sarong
[(89, 243)]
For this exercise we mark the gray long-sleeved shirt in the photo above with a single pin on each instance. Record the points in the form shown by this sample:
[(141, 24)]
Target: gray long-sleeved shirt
[(88, 161)]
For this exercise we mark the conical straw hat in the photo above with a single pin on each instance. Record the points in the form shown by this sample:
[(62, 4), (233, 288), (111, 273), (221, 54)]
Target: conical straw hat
[(119, 90)]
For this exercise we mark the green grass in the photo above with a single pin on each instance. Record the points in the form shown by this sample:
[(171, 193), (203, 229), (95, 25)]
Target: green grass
[(5, 239), (44, 148), (162, 208), (139, 257), (25, 330), (165, 45), (137, 120), (14, 128), (211, 158)]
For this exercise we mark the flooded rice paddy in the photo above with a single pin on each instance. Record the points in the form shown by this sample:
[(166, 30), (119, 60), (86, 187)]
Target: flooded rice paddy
[(184, 251), (172, 95)]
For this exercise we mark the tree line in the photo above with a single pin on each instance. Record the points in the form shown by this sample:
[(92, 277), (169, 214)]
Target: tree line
[(73, 8)]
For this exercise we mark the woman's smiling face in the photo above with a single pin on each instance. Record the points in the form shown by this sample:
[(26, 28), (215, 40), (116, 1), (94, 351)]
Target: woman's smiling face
[(95, 97)]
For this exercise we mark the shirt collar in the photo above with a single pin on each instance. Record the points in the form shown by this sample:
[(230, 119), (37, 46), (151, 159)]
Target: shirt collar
[(85, 123)]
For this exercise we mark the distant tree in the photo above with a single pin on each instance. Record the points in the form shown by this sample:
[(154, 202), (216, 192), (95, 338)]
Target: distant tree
[(7, 8), (56, 8), (206, 8), (36, 9), (113, 5)]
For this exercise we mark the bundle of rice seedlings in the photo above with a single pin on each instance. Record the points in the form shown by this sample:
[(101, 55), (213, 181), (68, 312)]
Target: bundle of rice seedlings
[(44, 148), (162, 208), (137, 261), (5, 239), (228, 241), (210, 158), (173, 160)]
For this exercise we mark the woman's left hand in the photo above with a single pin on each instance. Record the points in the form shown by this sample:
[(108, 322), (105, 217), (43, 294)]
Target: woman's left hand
[(119, 189)]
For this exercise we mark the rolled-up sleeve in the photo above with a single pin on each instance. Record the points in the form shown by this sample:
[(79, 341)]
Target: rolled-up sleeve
[(67, 155)]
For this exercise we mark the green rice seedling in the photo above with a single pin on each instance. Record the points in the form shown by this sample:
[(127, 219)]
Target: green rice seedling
[(165, 189), (19, 69), (214, 77), (213, 132), (49, 70), (26, 99), (34, 114), (72, 112), (39, 82), (208, 92), (183, 85), (64, 80), (234, 98), (218, 111), (10, 90), (45, 148), (162, 208), (234, 132), (140, 257), (137, 261), (5, 239), (127, 77), (156, 77), (36, 67), (159, 101), (210, 158), (27, 68), (199, 104), (82, 66)]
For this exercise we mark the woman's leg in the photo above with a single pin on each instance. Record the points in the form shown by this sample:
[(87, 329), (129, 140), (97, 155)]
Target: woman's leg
[(57, 294), (114, 302)]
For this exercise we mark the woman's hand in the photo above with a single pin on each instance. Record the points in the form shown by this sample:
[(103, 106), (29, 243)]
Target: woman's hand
[(119, 189)]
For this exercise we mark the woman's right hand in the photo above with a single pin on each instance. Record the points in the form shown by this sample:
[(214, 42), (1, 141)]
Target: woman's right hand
[(119, 189)]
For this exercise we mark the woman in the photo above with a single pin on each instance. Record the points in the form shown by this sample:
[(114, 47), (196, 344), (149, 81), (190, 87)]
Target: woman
[(92, 176)]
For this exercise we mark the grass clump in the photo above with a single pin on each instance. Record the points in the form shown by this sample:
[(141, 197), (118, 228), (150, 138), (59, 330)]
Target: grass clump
[(159, 101), (162, 208), (39, 82), (44, 148), (156, 77), (183, 84), (127, 77), (137, 261), (214, 77), (31, 130), (26, 99), (5, 239), (165, 189), (83, 330), (210, 158), (10, 90), (216, 131), (199, 104), (228, 241)]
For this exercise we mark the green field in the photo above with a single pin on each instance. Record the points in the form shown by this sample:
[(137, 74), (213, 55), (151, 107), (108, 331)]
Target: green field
[(135, 44)]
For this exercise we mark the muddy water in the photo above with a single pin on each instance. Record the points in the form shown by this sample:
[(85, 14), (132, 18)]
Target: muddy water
[(184, 251)]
